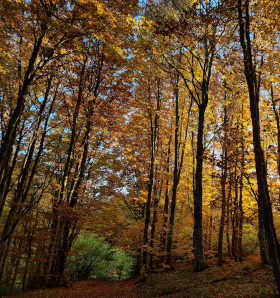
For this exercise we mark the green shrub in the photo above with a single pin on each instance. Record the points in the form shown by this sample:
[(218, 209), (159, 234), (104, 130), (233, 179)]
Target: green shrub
[(93, 257)]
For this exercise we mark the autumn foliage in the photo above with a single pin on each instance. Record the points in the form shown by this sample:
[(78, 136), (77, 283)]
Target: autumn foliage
[(154, 125)]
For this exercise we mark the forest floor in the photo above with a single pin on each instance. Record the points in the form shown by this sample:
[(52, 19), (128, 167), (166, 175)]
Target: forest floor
[(234, 279), (242, 279)]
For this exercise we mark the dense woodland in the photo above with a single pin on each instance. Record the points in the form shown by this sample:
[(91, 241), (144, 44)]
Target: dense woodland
[(155, 125)]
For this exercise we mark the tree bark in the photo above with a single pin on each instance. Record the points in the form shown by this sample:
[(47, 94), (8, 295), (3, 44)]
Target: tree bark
[(154, 123), (276, 114), (228, 214), (65, 223), (253, 84), (240, 204), (9, 138), (223, 184), (175, 179), (261, 234), (200, 261), (166, 207)]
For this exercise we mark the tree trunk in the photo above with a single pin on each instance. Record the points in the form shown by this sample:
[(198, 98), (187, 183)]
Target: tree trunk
[(276, 114), (4, 249), (223, 184), (64, 222), (6, 182), (9, 138), (234, 214), (154, 136), (261, 234), (228, 209), (153, 233), (176, 178), (16, 268), (200, 261), (240, 204), (253, 84), (166, 207)]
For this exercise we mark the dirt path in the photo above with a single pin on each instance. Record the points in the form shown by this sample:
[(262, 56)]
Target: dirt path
[(88, 289)]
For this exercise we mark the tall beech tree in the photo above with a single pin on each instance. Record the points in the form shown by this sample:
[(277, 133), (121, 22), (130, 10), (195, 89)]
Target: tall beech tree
[(19, 206), (42, 39), (224, 170), (180, 140), (154, 128), (49, 34), (193, 29), (254, 83)]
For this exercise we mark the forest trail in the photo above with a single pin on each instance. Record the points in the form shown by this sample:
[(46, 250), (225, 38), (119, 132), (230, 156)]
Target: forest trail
[(233, 279), (90, 289)]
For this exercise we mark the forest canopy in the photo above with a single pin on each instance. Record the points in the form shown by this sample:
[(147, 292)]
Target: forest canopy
[(153, 125)]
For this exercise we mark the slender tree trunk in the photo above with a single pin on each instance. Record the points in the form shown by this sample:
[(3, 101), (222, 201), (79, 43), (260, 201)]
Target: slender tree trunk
[(68, 230), (176, 178), (210, 229), (148, 211), (166, 207), (63, 237), (276, 114), (4, 255), (16, 268), (223, 213), (24, 185), (202, 102), (26, 180), (9, 138), (138, 262), (25, 271), (200, 261), (240, 204), (154, 136), (29, 234), (234, 214), (6, 183), (261, 234), (240, 253), (70, 221), (153, 234), (223, 184), (228, 209), (59, 217), (253, 84)]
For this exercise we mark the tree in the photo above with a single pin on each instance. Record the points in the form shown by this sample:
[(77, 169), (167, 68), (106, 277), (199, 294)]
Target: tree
[(52, 42), (253, 82)]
